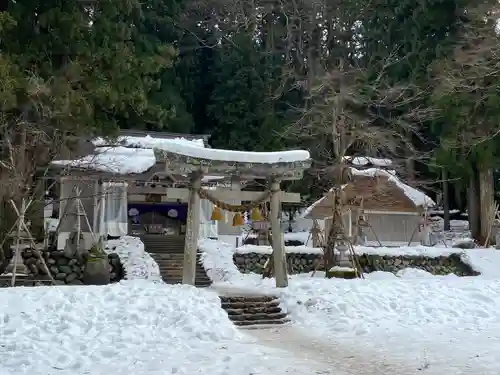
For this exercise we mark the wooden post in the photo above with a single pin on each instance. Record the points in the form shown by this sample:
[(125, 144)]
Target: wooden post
[(17, 250), (102, 212), (95, 216), (192, 231), (446, 200), (78, 225), (349, 224), (277, 239)]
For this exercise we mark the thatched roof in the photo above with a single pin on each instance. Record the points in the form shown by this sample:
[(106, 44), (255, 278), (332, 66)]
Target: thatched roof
[(378, 190)]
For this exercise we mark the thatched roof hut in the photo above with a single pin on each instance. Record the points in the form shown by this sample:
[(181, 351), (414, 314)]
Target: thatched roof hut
[(377, 190)]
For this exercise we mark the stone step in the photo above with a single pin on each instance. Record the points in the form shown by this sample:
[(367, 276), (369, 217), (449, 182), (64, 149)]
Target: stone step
[(231, 299), (162, 243), (252, 305), (246, 323), (258, 316), (197, 283), (166, 265), (161, 236), (161, 251), (168, 253), (167, 256), (165, 244), (178, 261), (176, 265), (169, 266), (172, 264), (253, 310), (179, 277), (164, 249)]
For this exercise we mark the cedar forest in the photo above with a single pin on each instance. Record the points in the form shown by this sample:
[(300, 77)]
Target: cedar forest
[(414, 81)]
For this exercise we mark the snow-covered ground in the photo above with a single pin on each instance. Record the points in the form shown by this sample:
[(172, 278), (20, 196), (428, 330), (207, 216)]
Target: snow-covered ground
[(438, 324), (412, 323), (135, 327), (139, 326)]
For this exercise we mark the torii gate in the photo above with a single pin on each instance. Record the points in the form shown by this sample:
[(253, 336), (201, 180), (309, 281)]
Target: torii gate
[(271, 166)]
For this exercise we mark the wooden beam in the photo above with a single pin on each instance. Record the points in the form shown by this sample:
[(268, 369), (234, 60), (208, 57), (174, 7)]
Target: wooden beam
[(282, 170), (141, 198), (223, 194)]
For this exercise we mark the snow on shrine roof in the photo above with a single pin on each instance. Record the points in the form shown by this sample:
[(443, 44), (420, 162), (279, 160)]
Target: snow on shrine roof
[(148, 142), (116, 160), (364, 160), (419, 198), (309, 209), (236, 156), (126, 154)]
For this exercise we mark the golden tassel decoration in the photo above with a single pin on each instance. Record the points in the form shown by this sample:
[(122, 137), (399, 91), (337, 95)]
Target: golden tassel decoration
[(216, 214), (256, 215), (238, 219)]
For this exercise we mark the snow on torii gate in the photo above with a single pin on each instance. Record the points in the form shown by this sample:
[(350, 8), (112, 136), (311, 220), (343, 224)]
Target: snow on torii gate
[(197, 162)]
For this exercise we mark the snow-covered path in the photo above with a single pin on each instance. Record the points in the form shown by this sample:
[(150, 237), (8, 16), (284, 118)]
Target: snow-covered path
[(335, 358)]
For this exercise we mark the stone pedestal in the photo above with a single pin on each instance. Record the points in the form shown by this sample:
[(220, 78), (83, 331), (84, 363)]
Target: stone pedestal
[(427, 238), (361, 236), (262, 229), (342, 257), (20, 267), (497, 241)]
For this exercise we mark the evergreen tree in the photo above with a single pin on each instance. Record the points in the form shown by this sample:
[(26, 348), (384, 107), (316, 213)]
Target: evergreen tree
[(242, 105)]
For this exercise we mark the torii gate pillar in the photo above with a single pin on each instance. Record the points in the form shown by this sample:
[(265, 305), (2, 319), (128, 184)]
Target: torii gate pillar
[(278, 244)]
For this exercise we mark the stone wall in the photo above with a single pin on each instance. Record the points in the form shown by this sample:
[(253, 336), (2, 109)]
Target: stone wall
[(305, 263), (297, 262), (442, 265), (253, 241), (64, 269)]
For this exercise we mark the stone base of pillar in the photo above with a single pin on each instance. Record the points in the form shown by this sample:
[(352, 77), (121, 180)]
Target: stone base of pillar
[(21, 269)]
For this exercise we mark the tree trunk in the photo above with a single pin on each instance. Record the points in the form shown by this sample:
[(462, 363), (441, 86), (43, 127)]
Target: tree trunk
[(473, 205), (329, 254), (410, 169), (459, 201), (446, 200), (487, 203)]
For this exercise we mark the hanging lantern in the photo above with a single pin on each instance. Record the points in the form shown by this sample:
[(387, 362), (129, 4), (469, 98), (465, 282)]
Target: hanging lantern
[(238, 220), (216, 214), (256, 215)]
